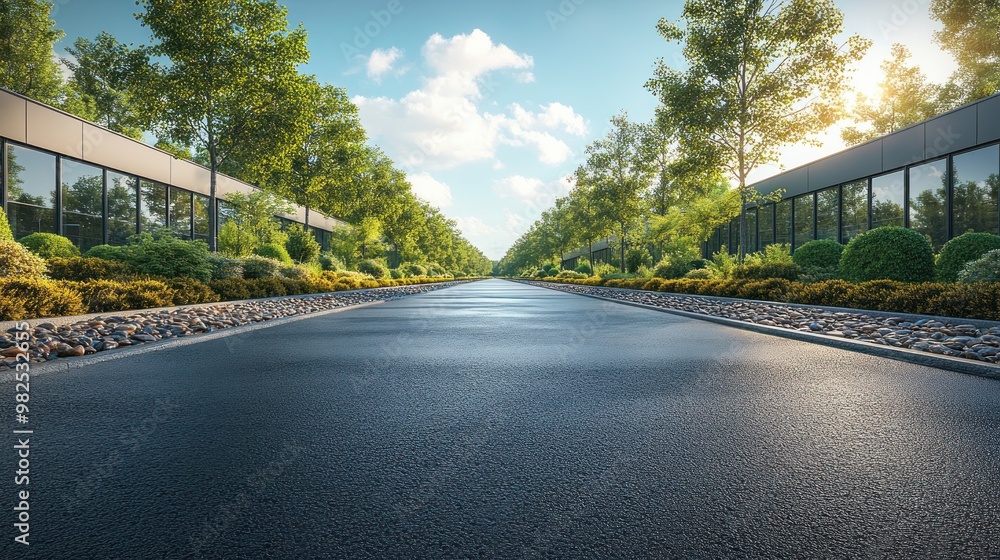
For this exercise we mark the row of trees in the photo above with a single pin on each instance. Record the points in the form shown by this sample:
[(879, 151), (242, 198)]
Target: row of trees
[(220, 83), (759, 75)]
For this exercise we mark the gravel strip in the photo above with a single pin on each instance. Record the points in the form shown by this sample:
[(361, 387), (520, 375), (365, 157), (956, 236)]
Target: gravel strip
[(48, 341), (927, 335)]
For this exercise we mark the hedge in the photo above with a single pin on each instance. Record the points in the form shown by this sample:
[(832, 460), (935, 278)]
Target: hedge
[(888, 253), (961, 251)]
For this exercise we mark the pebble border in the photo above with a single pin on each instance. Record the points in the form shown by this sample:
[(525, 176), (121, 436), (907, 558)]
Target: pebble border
[(966, 348)]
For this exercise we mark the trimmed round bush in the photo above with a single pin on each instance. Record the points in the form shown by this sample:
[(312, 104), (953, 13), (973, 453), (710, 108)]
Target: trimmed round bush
[(888, 253), (413, 269), (48, 245), (396, 274), (583, 267), (107, 252), (373, 268), (17, 261), (28, 298), (224, 267), (961, 251), (256, 266), (571, 274), (821, 253), (671, 268), (330, 262), (983, 269), (301, 245), (89, 268), (274, 251), (699, 274)]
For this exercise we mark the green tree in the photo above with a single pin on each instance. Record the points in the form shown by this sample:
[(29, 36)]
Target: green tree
[(102, 70), (252, 223), (27, 64), (620, 173), (224, 77), (584, 209), (906, 98), (761, 74), (969, 33)]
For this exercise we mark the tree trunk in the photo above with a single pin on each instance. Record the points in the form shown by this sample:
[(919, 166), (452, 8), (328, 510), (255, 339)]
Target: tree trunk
[(213, 224), (621, 250)]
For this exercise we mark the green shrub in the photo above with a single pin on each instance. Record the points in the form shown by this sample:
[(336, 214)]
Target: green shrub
[(188, 291), (961, 251), (435, 270), (547, 267), (699, 274), (787, 271), (230, 289), (984, 269), (301, 245), (821, 253), (112, 295), (722, 264), (602, 269), (671, 268), (165, 255), (775, 253), (5, 233), (224, 267), (813, 274), (396, 274), (28, 298), (570, 274), (373, 268), (48, 245), (583, 267), (888, 253), (413, 269), (256, 266), (266, 287), (298, 272), (770, 289), (17, 261), (330, 262), (274, 251), (636, 257), (89, 268), (107, 252)]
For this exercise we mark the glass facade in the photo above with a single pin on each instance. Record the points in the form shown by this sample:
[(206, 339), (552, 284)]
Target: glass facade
[(179, 212), (153, 215), (887, 200), (31, 191), (975, 185), (783, 222), (803, 220), (82, 204), (122, 204), (765, 225), (828, 213), (928, 201), (733, 239), (199, 210), (854, 214), (751, 230)]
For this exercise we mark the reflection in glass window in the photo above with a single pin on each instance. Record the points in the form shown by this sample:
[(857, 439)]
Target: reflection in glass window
[(751, 230), (928, 206), (82, 204), (765, 226), (827, 210), (734, 236), (975, 185), (783, 222), (122, 200), (803, 220), (180, 213), (154, 206), (200, 215), (854, 219), (887, 200), (31, 191), (226, 211)]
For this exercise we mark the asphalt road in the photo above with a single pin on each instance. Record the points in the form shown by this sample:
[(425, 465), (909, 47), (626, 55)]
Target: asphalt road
[(497, 420)]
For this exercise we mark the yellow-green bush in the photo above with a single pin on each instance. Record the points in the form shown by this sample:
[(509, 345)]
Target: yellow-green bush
[(89, 268), (27, 298), (113, 295), (188, 291), (16, 261)]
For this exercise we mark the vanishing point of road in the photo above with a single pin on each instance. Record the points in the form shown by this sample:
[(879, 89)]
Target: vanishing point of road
[(499, 420)]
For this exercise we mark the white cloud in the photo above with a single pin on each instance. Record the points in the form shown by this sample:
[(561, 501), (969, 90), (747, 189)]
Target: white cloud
[(531, 191), (472, 226), (430, 189), (525, 77), (381, 61), (440, 125)]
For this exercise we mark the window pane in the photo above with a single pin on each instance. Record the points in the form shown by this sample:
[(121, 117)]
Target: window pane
[(765, 225), (200, 211), (31, 196), (854, 219), (121, 207), (827, 209), (887, 200), (803, 220), (180, 213), (751, 230), (928, 209), (974, 191), (783, 222), (83, 204), (154, 206), (225, 211)]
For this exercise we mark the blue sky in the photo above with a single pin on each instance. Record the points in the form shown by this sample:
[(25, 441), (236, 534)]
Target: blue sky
[(489, 105)]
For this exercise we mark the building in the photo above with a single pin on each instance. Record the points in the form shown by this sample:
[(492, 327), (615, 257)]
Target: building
[(62, 174), (940, 177)]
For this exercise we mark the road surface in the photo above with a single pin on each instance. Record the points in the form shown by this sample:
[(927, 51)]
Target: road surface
[(498, 420)]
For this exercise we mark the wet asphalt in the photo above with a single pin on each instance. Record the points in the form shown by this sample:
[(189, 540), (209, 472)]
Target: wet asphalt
[(499, 420)]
